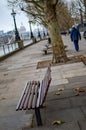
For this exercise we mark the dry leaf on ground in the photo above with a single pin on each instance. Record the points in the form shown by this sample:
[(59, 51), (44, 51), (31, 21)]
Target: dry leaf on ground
[(57, 93), (60, 89), (77, 94), (80, 89), (57, 122)]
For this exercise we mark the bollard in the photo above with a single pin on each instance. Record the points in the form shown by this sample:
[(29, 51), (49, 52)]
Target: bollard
[(34, 40), (20, 44)]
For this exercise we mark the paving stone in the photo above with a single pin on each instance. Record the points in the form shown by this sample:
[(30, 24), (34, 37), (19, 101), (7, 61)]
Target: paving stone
[(66, 93), (15, 122), (55, 81), (82, 124), (83, 108), (67, 115), (76, 72), (75, 85), (59, 104), (77, 79), (65, 126), (78, 101)]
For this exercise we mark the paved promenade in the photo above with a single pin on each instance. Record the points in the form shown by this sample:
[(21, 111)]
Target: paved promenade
[(67, 105)]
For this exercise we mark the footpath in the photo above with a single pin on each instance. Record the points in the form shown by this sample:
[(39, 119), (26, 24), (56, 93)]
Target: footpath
[(64, 101)]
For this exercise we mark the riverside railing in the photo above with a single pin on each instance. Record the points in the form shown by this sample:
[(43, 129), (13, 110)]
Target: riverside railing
[(8, 48), (11, 47)]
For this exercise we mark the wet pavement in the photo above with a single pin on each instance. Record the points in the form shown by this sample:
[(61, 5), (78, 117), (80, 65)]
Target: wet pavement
[(66, 105)]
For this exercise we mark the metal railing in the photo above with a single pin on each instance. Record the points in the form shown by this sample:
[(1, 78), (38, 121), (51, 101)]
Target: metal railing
[(8, 48), (12, 46)]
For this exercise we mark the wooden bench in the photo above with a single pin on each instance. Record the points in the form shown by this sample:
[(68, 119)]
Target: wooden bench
[(47, 48), (34, 95)]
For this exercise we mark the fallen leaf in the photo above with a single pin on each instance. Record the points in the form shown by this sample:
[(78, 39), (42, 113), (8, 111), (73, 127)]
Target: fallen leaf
[(57, 93), (76, 57), (60, 89), (81, 56), (5, 74), (58, 122), (80, 89), (76, 89), (77, 94)]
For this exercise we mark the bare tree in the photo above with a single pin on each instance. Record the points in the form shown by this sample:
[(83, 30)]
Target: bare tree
[(79, 9), (64, 16), (45, 12)]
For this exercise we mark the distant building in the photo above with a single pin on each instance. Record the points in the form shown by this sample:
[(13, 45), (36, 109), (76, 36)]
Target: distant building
[(22, 29), (23, 33), (4, 37), (1, 32), (11, 32)]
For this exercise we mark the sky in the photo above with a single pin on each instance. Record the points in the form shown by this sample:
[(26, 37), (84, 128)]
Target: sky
[(6, 19)]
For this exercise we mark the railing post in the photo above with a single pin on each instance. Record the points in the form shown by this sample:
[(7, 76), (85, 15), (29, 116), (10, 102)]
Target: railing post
[(8, 48), (12, 46), (4, 49)]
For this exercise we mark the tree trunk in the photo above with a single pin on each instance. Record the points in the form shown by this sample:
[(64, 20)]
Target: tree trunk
[(59, 54)]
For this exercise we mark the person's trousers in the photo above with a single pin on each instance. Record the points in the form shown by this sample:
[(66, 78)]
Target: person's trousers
[(76, 45)]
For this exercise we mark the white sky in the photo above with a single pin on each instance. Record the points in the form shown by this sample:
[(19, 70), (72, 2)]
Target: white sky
[(6, 20)]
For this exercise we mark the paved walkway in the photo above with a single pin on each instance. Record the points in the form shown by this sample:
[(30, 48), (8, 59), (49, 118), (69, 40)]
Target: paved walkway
[(16, 70)]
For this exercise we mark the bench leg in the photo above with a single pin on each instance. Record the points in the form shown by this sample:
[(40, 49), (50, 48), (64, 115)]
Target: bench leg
[(45, 52), (38, 116)]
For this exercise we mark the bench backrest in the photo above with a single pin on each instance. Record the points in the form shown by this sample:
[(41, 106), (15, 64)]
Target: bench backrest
[(44, 85)]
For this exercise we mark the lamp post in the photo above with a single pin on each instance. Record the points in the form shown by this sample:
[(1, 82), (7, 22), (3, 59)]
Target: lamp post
[(47, 33), (43, 33), (31, 33), (17, 37), (39, 35)]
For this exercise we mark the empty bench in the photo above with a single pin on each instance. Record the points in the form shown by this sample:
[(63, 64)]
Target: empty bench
[(34, 95), (47, 48)]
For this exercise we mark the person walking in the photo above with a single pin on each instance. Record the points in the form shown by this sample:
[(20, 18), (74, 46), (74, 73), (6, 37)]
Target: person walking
[(75, 37)]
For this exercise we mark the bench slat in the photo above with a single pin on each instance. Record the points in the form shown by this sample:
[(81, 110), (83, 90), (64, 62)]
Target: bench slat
[(39, 95), (31, 96), (46, 93), (45, 84), (35, 95), (22, 95), (27, 98)]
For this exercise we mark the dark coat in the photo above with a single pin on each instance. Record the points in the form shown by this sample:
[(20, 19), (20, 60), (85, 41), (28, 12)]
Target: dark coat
[(75, 34)]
